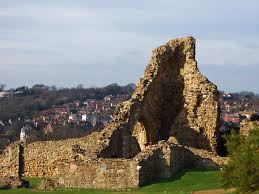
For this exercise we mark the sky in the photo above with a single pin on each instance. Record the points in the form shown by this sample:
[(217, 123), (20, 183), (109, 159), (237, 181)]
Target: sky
[(95, 43)]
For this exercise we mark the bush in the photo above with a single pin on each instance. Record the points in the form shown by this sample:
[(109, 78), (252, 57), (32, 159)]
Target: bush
[(242, 169)]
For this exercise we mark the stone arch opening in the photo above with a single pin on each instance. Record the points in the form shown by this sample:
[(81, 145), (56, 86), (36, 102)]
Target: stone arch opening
[(142, 134)]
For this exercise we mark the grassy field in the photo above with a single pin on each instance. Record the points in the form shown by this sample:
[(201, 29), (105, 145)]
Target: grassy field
[(183, 183)]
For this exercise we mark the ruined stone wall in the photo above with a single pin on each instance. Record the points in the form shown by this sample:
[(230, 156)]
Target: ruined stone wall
[(73, 163), (172, 99), (9, 161), (161, 161), (197, 123), (47, 159), (71, 166), (172, 102), (101, 173), (68, 163), (246, 126), (164, 160)]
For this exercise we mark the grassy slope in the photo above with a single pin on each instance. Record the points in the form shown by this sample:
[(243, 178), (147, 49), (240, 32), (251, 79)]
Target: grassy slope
[(184, 182)]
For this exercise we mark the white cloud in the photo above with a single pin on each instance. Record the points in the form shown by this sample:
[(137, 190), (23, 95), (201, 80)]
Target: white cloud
[(224, 52), (116, 35), (48, 12)]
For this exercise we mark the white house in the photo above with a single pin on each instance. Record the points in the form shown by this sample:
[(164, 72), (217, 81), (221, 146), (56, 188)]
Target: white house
[(3, 94), (84, 117), (23, 135)]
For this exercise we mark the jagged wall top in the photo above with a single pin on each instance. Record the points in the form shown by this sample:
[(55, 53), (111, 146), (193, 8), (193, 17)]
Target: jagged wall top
[(158, 55), (172, 99)]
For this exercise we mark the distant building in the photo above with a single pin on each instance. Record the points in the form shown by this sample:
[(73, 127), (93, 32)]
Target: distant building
[(2, 126), (247, 114), (71, 118), (77, 103), (84, 117), (227, 107), (227, 95), (235, 118), (48, 128), (3, 94), (23, 135), (107, 98)]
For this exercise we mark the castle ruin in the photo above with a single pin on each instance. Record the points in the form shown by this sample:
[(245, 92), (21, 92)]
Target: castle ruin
[(169, 124)]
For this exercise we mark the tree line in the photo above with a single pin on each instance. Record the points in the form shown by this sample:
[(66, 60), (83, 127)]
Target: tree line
[(25, 102)]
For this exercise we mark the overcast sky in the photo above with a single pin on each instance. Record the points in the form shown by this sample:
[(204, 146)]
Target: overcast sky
[(97, 42)]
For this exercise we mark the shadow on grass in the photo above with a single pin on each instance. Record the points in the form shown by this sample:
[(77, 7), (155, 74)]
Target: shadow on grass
[(33, 182)]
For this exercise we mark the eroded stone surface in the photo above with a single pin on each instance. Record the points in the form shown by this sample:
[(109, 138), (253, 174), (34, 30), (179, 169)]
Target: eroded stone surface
[(172, 99)]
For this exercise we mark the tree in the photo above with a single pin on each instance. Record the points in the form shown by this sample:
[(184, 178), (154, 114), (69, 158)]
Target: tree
[(80, 86), (242, 169), (2, 86), (53, 88)]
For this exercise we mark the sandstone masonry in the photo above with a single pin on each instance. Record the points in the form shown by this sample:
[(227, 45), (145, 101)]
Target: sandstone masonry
[(246, 126)]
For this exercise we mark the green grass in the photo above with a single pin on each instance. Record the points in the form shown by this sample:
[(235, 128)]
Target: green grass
[(182, 183)]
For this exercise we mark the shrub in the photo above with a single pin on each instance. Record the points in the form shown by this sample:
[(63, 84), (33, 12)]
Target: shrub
[(242, 169)]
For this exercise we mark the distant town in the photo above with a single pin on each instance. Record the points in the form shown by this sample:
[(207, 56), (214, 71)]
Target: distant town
[(73, 118), (81, 115), (236, 107)]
